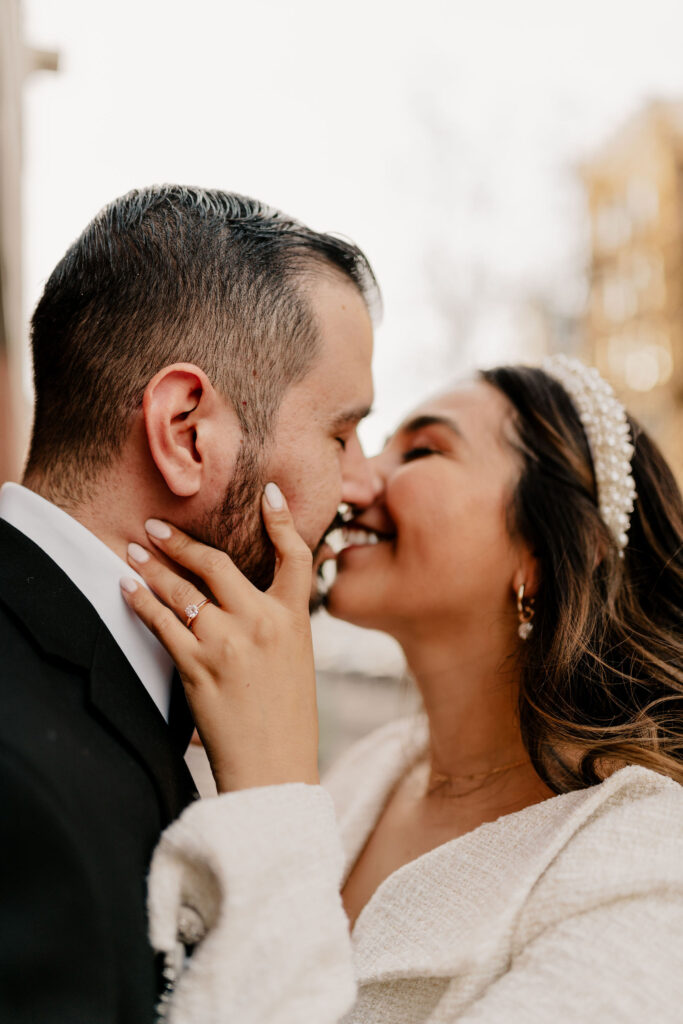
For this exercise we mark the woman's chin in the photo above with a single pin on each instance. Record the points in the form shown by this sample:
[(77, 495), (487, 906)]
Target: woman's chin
[(354, 604), (359, 592)]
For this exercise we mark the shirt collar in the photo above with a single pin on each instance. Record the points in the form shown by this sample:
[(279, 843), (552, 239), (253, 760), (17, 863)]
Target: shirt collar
[(96, 570)]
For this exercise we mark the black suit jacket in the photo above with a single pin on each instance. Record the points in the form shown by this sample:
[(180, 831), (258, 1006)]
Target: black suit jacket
[(88, 779)]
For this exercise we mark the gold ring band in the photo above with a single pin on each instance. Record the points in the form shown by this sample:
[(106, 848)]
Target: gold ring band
[(192, 611)]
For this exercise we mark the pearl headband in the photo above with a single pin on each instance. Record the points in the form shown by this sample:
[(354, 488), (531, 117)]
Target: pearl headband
[(604, 421)]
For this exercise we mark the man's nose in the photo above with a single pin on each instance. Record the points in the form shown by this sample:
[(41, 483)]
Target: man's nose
[(361, 482)]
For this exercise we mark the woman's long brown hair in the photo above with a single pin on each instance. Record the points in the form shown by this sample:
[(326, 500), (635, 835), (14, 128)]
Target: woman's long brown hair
[(602, 673)]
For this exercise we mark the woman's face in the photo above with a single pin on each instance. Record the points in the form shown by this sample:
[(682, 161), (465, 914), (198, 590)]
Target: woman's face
[(434, 546)]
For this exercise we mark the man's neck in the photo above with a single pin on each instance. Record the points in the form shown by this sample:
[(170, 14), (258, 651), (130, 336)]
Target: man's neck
[(106, 514)]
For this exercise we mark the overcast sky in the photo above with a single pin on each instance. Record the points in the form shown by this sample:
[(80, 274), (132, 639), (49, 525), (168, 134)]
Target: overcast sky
[(442, 136)]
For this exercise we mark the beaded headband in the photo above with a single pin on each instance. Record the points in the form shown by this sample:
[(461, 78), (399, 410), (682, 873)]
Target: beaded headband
[(604, 421)]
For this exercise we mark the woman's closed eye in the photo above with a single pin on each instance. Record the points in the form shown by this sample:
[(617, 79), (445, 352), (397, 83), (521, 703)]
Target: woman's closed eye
[(419, 452)]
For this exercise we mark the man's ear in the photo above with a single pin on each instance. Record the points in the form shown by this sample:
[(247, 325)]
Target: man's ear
[(190, 428)]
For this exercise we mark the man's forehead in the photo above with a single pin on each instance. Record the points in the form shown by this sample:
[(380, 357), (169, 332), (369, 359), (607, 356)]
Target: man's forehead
[(343, 321), (338, 389)]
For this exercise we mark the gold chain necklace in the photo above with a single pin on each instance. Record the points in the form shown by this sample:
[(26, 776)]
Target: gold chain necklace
[(438, 779)]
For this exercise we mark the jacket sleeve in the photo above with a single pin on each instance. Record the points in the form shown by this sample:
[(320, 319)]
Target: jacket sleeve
[(252, 878), (616, 963), (55, 960)]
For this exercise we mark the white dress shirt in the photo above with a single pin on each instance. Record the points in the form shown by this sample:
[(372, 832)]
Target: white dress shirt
[(96, 570)]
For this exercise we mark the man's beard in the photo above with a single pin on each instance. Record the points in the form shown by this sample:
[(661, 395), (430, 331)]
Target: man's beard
[(236, 527)]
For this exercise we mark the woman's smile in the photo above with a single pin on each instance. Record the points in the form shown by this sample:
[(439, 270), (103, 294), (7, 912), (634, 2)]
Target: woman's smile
[(445, 475), (355, 538)]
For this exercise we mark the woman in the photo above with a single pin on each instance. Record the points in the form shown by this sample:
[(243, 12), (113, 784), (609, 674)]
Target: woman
[(515, 854)]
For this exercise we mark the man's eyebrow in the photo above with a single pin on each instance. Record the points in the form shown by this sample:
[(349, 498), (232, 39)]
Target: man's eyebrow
[(350, 417), (426, 420)]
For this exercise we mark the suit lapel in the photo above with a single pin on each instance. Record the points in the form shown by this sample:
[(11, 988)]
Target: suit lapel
[(119, 697), (66, 627), (42, 597)]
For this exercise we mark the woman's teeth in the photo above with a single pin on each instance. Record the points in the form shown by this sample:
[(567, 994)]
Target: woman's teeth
[(351, 538), (345, 537)]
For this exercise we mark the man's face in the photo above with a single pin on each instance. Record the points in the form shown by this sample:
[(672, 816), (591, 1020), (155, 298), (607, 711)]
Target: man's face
[(314, 456)]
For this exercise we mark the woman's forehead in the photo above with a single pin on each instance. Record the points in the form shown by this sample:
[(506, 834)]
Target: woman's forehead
[(476, 407)]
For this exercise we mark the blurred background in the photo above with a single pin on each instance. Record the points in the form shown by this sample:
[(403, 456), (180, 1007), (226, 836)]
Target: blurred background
[(513, 171)]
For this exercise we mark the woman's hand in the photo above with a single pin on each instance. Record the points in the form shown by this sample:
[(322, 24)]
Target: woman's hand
[(247, 662)]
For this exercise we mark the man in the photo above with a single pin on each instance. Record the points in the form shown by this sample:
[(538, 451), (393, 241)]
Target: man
[(189, 347)]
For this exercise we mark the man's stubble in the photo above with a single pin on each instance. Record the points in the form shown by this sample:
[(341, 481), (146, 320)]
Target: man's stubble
[(236, 527)]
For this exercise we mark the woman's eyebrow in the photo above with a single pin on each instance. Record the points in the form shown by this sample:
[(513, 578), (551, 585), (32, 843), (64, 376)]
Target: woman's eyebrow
[(427, 420)]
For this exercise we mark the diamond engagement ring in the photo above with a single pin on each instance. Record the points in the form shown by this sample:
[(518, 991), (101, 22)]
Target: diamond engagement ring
[(192, 611)]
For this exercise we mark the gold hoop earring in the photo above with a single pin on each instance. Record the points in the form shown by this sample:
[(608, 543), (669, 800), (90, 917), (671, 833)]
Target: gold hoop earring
[(525, 612)]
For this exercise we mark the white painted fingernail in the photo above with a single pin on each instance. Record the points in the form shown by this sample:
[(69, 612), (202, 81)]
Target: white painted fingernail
[(155, 528), (138, 553), (128, 584), (274, 496)]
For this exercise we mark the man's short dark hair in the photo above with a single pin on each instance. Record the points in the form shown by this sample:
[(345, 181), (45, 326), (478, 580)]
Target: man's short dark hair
[(173, 274)]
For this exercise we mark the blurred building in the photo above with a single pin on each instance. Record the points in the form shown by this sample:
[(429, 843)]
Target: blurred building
[(16, 61), (633, 330)]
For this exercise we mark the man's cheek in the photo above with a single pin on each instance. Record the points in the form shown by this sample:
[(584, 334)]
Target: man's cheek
[(304, 523), (328, 501), (314, 499)]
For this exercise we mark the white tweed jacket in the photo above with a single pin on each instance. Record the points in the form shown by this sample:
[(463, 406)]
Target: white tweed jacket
[(568, 912)]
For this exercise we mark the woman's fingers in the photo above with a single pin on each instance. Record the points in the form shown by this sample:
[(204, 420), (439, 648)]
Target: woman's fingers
[(248, 661), (292, 582), (215, 568), (176, 638), (231, 590), (181, 596)]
